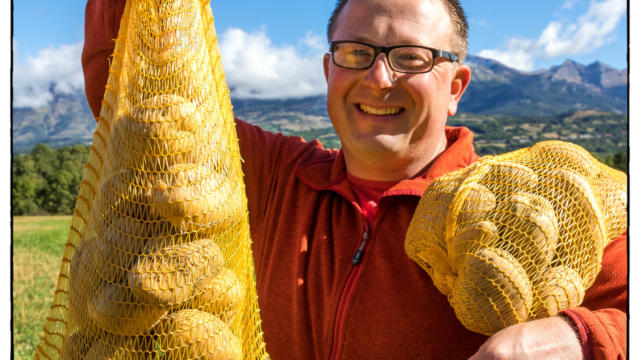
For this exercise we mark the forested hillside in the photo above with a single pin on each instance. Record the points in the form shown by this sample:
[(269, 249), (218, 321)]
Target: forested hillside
[(45, 181)]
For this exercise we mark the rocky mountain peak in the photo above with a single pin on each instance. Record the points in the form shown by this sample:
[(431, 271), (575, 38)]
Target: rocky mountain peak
[(595, 74), (569, 71)]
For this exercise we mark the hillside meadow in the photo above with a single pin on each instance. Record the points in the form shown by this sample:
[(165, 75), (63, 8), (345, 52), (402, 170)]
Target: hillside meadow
[(38, 244)]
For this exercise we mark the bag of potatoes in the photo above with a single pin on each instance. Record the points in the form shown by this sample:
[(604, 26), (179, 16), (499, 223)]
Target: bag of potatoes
[(518, 236), (158, 263)]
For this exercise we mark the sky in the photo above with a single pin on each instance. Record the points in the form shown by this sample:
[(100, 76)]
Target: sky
[(286, 40)]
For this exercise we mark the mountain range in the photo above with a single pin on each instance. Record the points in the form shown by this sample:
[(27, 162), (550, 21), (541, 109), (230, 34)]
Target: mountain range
[(498, 89), (495, 89)]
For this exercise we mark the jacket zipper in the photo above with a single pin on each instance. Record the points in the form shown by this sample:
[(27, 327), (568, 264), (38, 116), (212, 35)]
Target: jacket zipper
[(357, 257), (346, 293)]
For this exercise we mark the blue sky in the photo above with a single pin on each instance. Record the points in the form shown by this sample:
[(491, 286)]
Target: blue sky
[(527, 35)]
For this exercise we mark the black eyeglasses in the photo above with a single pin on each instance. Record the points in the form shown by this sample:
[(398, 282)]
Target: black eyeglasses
[(410, 59)]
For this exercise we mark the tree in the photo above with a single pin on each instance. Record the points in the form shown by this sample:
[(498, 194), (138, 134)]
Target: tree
[(26, 183), (46, 160), (47, 181), (619, 161)]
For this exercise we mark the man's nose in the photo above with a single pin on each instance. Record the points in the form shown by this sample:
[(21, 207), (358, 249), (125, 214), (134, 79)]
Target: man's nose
[(380, 76)]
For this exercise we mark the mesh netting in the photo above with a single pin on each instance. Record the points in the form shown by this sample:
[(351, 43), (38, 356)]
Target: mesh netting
[(518, 236), (158, 263)]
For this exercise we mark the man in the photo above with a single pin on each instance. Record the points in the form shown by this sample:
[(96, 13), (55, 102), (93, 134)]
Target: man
[(328, 227)]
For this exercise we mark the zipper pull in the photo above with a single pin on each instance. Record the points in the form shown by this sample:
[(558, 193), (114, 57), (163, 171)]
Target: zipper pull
[(357, 257)]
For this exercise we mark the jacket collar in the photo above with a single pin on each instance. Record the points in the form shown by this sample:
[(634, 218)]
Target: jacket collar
[(331, 173)]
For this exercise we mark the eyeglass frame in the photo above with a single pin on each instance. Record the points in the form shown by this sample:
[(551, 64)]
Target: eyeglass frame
[(436, 53)]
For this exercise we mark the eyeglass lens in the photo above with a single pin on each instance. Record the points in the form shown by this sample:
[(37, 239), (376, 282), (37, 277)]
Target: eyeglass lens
[(361, 56)]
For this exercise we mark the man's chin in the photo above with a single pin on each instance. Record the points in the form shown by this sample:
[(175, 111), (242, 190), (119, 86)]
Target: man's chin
[(382, 146)]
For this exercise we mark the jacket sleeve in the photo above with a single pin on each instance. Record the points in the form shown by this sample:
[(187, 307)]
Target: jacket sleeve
[(265, 156), (101, 25), (602, 317)]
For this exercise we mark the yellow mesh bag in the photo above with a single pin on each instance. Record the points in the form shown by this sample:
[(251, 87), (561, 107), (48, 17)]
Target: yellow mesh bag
[(518, 236), (158, 263)]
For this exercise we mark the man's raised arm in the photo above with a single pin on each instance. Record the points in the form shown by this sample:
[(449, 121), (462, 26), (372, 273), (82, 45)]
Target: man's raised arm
[(102, 21)]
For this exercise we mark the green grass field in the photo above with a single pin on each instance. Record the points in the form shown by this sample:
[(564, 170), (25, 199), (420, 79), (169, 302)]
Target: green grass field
[(38, 244)]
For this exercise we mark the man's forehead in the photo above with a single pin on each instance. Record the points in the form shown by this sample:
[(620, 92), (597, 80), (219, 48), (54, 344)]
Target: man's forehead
[(429, 18), (398, 6)]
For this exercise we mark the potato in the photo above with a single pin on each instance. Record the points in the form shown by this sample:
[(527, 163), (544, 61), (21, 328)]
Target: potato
[(425, 245), (433, 259), (560, 288), (564, 155), (428, 225), (152, 146), (506, 177), (75, 346), (159, 115), (129, 347), (471, 238), (222, 295), (581, 228), (195, 198), (164, 130), (472, 202), (425, 241), (102, 351), (175, 60), (611, 186), (127, 193), (433, 207), (431, 215), (163, 33), (194, 334), (83, 282), (170, 274), (492, 291), (171, 108), (528, 230), (113, 308), (117, 248)]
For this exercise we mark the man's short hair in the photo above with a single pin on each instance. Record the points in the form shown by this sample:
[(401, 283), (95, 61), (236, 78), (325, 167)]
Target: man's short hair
[(459, 39)]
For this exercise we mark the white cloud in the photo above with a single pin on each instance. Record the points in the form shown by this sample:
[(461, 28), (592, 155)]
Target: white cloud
[(256, 68), (479, 22), (569, 4), (519, 59), (589, 32), (315, 42), (53, 70)]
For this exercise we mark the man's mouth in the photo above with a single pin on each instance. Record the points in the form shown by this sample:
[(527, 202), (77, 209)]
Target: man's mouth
[(380, 111)]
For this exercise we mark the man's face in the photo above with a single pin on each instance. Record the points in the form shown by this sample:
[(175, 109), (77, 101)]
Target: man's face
[(382, 116)]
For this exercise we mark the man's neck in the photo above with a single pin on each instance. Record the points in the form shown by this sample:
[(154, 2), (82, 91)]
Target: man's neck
[(388, 167)]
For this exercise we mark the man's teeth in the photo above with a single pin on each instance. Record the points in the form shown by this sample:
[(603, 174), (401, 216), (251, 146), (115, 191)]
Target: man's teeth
[(380, 111)]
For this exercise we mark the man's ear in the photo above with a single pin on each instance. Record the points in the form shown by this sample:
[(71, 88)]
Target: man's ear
[(325, 64), (459, 84)]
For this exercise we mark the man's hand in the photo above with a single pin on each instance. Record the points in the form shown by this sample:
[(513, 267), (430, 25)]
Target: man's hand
[(549, 338)]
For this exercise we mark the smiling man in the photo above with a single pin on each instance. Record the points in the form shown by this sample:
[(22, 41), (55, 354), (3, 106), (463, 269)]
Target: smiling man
[(390, 111), (328, 226)]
